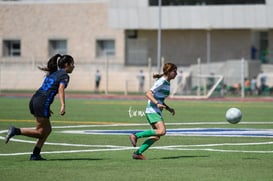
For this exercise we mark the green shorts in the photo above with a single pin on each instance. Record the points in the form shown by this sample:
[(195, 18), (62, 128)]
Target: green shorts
[(153, 117)]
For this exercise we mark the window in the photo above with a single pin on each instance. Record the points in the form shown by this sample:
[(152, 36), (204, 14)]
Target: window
[(11, 48), (132, 34), (105, 47), (264, 47), (204, 2), (57, 46)]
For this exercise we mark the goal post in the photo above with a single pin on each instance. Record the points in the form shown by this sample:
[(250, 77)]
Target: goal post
[(198, 86)]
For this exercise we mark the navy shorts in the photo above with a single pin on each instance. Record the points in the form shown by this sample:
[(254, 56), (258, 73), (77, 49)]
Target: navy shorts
[(39, 107)]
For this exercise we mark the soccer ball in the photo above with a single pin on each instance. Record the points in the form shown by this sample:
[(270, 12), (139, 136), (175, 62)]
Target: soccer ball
[(233, 115)]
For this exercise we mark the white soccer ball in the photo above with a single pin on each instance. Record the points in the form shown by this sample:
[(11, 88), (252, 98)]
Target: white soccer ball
[(233, 115)]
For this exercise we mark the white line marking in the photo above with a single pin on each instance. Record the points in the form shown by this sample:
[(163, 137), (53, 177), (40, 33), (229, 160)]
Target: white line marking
[(98, 148), (69, 151), (215, 150), (171, 124)]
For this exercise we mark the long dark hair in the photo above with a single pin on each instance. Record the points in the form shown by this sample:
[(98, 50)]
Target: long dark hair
[(168, 67), (57, 61)]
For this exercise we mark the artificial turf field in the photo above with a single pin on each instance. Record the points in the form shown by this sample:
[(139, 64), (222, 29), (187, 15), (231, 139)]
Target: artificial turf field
[(91, 142)]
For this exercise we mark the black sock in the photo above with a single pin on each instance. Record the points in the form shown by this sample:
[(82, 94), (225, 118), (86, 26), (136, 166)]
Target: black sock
[(36, 151), (17, 131)]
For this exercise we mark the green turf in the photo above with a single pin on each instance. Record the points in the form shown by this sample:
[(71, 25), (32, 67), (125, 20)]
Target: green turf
[(198, 163)]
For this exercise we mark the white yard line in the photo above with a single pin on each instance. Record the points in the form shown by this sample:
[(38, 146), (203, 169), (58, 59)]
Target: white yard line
[(174, 132)]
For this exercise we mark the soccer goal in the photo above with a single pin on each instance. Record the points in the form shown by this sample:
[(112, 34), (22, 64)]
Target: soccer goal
[(197, 86)]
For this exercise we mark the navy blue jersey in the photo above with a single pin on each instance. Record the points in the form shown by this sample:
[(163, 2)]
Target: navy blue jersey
[(44, 96), (52, 81)]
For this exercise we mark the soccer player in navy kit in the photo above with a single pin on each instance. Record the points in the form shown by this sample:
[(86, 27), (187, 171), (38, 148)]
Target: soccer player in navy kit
[(56, 80)]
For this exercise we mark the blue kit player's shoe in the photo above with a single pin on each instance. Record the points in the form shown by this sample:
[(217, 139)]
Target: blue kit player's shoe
[(11, 133), (36, 157)]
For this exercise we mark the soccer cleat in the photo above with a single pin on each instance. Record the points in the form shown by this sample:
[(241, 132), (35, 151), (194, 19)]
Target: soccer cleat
[(133, 139), (36, 157), (11, 133), (138, 156)]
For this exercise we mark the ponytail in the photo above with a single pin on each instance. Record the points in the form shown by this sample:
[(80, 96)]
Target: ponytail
[(157, 76), (168, 67), (52, 64), (57, 61)]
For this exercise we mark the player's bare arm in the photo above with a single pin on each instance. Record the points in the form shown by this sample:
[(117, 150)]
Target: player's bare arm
[(150, 96), (171, 110), (62, 98)]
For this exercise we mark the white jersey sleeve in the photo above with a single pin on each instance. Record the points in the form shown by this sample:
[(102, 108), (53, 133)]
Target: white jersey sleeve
[(161, 90)]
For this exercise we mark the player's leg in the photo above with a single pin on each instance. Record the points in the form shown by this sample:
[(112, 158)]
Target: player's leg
[(43, 128), (42, 131), (12, 131), (160, 130)]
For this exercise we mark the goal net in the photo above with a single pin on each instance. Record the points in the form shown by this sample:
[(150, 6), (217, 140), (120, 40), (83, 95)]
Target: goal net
[(197, 86)]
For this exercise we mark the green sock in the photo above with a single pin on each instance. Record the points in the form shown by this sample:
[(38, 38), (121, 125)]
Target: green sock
[(146, 133), (145, 145)]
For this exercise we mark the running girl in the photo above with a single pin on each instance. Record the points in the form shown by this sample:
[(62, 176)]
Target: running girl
[(156, 96), (56, 80)]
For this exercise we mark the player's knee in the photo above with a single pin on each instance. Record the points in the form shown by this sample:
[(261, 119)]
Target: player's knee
[(161, 132), (49, 130), (156, 138), (44, 132)]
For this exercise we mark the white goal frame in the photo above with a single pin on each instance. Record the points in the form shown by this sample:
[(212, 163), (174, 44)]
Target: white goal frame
[(201, 81)]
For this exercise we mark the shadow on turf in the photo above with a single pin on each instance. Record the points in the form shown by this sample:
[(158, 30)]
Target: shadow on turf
[(75, 159), (178, 157)]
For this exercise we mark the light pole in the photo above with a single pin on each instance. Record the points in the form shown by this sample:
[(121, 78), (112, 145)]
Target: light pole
[(107, 72), (159, 36), (208, 45)]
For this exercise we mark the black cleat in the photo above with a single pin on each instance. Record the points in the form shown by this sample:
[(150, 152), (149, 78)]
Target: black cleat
[(11, 133), (36, 157)]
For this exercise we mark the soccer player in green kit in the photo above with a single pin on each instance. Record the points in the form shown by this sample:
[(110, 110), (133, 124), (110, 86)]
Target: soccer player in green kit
[(156, 97)]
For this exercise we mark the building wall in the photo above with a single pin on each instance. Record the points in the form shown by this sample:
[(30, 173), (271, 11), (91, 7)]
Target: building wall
[(139, 15), (233, 29), (184, 47), (26, 76), (82, 23), (79, 23)]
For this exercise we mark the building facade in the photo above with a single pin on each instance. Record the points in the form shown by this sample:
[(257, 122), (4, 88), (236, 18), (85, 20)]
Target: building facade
[(210, 30), (124, 34), (39, 29)]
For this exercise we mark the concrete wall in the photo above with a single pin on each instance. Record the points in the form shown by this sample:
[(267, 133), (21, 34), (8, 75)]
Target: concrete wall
[(81, 24), (184, 47), (139, 15), (27, 76)]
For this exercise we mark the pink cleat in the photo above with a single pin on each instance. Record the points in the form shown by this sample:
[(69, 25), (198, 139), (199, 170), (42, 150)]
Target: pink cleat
[(138, 156)]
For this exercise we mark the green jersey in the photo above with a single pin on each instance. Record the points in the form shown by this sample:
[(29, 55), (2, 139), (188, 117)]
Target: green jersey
[(161, 90)]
